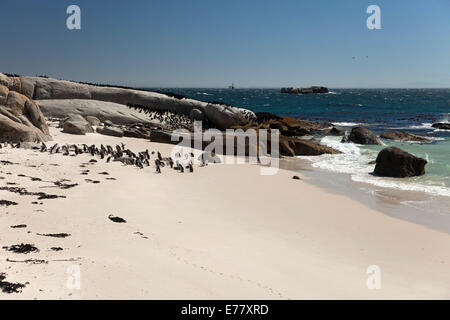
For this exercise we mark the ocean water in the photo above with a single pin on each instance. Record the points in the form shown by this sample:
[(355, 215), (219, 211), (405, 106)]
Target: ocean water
[(411, 110)]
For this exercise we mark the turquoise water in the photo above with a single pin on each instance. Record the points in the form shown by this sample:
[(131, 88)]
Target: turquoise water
[(411, 110)]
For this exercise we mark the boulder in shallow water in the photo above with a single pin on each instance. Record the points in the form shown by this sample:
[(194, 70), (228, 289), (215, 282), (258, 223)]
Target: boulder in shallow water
[(403, 136), (334, 131), (394, 162), (362, 135), (441, 125)]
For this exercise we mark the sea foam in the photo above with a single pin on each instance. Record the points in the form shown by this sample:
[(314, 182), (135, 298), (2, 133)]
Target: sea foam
[(354, 160)]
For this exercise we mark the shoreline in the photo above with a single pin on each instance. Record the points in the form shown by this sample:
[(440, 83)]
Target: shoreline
[(407, 205), (217, 239)]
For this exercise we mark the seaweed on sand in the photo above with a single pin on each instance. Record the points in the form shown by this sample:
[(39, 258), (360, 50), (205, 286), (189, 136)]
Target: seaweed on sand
[(9, 287), (22, 248)]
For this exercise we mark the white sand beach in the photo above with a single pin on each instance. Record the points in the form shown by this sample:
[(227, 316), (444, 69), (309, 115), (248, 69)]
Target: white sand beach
[(221, 232)]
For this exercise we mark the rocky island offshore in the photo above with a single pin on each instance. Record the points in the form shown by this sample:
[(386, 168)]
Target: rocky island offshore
[(305, 90)]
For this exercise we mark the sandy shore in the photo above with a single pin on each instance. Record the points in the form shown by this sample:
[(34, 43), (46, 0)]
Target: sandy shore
[(221, 232)]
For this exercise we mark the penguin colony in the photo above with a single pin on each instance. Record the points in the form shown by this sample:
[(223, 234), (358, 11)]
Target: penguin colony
[(126, 156), (171, 120)]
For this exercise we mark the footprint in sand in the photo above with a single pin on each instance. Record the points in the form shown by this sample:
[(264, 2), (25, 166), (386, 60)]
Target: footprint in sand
[(234, 277)]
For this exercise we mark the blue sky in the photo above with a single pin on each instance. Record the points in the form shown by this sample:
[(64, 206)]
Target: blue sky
[(199, 43)]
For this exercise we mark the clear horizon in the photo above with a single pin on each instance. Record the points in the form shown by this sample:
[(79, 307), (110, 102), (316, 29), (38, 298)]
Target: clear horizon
[(207, 44)]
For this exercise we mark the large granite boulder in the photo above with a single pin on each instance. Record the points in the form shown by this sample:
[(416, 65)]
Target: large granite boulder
[(303, 147), (241, 145), (16, 131), (441, 125), (40, 88), (103, 111), (76, 124), (362, 135), (223, 116), (288, 146), (335, 131), (136, 133), (288, 126), (403, 136), (93, 121), (196, 115), (394, 162), (20, 118), (297, 127), (111, 131)]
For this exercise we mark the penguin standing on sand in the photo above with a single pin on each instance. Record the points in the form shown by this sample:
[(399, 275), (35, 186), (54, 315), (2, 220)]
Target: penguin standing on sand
[(158, 169)]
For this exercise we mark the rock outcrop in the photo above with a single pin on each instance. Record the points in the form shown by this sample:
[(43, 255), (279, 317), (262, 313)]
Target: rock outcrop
[(288, 126), (136, 133), (222, 116), (196, 115), (103, 111), (76, 124), (441, 125), (111, 131), (335, 131), (20, 117), (310, 148), (93, 121), (288, 146), (304, 90), (394, 162), (403, 136), (362, 135), (39, 88)]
